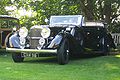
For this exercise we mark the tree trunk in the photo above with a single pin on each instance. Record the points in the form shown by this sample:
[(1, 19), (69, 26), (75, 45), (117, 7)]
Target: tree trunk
[(107, 11), (87, 9)]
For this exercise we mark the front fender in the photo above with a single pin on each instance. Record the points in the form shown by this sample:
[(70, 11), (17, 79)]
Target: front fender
[(56, 41), (14, 41)]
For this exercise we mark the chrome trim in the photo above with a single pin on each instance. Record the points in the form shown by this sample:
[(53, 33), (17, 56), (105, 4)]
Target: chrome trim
[(32, 50), (35, 37)]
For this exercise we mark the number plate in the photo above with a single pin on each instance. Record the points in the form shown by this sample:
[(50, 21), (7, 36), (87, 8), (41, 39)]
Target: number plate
[(29, 54)]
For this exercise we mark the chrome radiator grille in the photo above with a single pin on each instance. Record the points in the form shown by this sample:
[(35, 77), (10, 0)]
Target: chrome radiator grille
[(35, 35)]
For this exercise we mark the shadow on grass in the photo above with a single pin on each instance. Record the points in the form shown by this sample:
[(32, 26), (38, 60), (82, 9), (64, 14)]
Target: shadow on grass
[(41, 60), (2, 53), (53, 60), (85, 56)]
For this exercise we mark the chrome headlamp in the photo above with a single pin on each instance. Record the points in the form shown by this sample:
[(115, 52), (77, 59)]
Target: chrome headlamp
[(23, 32), (41, 41), (45, 32)]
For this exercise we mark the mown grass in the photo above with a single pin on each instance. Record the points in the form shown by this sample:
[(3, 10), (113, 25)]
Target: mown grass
[(92, 68)]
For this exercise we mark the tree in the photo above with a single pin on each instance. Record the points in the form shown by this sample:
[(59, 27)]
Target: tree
[(3, 4), (104, 10)]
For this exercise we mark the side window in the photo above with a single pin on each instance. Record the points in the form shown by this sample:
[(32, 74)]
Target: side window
[(8, 23), (3, 23)]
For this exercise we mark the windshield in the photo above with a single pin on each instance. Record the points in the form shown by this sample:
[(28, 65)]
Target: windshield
[(65, 20)]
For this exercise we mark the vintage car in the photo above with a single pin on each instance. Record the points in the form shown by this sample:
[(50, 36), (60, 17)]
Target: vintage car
[(7, 24), (64, 36)]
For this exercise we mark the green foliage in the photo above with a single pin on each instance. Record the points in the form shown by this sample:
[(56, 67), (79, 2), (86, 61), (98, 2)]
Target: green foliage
[(3, 3), (105, 10)]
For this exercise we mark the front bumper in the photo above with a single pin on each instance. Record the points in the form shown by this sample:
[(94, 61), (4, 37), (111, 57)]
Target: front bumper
[(32, 50)]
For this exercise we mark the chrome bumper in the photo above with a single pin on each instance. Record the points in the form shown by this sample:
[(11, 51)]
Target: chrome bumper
[(31, 50)]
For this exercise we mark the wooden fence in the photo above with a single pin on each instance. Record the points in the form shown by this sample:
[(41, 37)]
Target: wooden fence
[(116, 37)]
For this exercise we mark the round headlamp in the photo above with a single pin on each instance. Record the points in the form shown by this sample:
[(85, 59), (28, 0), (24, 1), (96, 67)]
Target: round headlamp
[(23, 32), (45, 32), (42, 41)]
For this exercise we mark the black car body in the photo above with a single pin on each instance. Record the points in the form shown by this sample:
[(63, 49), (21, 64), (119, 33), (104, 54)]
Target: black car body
[(64, 36)]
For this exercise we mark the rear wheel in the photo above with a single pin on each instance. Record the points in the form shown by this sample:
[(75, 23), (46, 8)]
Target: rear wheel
[(63, 53), (105, 48)]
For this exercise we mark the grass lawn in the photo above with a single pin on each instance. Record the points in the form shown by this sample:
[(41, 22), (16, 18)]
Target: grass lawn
[(94, 68)]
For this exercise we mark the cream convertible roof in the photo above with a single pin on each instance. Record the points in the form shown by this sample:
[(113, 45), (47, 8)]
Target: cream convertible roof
[(93, 24)]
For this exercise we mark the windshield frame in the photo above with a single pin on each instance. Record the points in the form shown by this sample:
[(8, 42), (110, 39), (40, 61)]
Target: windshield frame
[(78, 22)]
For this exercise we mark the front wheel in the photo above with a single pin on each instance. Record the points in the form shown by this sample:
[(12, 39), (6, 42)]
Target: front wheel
[(63, 53), (17, 57)]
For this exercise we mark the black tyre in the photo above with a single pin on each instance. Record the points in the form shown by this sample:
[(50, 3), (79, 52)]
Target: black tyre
[(63, 52), (17, 57), (105, 48)]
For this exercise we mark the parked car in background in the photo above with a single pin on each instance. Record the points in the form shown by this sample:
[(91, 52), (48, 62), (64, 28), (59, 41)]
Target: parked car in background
[(65, 35), (7, 24)]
